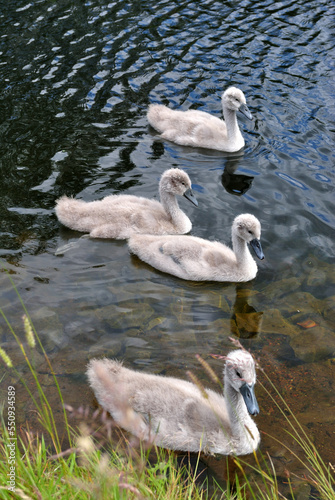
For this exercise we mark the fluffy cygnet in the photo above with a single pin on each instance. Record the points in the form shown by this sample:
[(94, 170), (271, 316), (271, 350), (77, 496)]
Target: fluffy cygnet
[(120, 216), (197, 259), (200, 129), (175, 414)]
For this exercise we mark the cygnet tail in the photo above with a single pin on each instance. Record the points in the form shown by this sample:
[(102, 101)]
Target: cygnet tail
[(102, 377), (139, 243), (160, 252), (73, 213), (158, 115), (146, 247), (111, 393)]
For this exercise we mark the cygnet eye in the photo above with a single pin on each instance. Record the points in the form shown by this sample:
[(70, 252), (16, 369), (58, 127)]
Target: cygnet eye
[(238, 374), (250, 232)]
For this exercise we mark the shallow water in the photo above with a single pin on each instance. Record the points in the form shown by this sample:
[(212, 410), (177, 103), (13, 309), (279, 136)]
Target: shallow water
[(77, 79)]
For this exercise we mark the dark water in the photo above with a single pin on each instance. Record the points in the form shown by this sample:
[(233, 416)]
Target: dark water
[(77, 78)]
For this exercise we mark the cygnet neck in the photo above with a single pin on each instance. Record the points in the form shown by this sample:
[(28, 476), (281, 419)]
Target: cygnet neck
[(170, 204), (241, 249), (236, 408), (233, 130)]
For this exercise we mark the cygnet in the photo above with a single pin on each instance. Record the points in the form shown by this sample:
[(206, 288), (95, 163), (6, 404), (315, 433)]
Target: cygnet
[(197, 259), (200, 129), (177, 414), (120, 216)]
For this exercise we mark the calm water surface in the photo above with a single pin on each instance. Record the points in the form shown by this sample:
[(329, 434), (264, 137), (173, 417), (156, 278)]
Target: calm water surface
[(77, 78)]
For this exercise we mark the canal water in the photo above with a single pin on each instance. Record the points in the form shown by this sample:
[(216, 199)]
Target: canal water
[(77, 78)]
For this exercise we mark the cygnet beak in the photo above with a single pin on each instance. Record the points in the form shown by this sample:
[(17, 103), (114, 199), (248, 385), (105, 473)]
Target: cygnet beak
[(257, 248), (248, 393), (190, 196), (245, 111)]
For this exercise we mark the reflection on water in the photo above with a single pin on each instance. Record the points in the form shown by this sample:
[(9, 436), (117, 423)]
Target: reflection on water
[(245, 321), (77, 80), (233, 183)]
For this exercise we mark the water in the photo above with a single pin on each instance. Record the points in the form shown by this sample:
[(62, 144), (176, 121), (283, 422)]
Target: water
[(76, 82)]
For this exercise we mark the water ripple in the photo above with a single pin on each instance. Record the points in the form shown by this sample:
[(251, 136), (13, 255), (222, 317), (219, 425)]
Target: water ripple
[(78, 78)]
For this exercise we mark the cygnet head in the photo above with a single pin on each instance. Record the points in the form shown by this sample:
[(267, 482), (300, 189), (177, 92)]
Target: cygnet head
[(234, 99), (177, 182), (248, 228), (240, 373)]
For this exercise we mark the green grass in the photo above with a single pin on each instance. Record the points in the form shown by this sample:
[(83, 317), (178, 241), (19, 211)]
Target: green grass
[(88, 472), (100, 465)]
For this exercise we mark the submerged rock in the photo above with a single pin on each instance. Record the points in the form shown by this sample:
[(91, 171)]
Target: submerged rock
[(136, 348), (107, 346), (313, 344), (49, 328), (281, 288), (274, 322), (317, 272), (298, 303), (125, 315), (329, 310)]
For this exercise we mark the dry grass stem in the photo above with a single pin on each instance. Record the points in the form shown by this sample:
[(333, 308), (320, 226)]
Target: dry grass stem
[(208, 369), (197, 382)]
